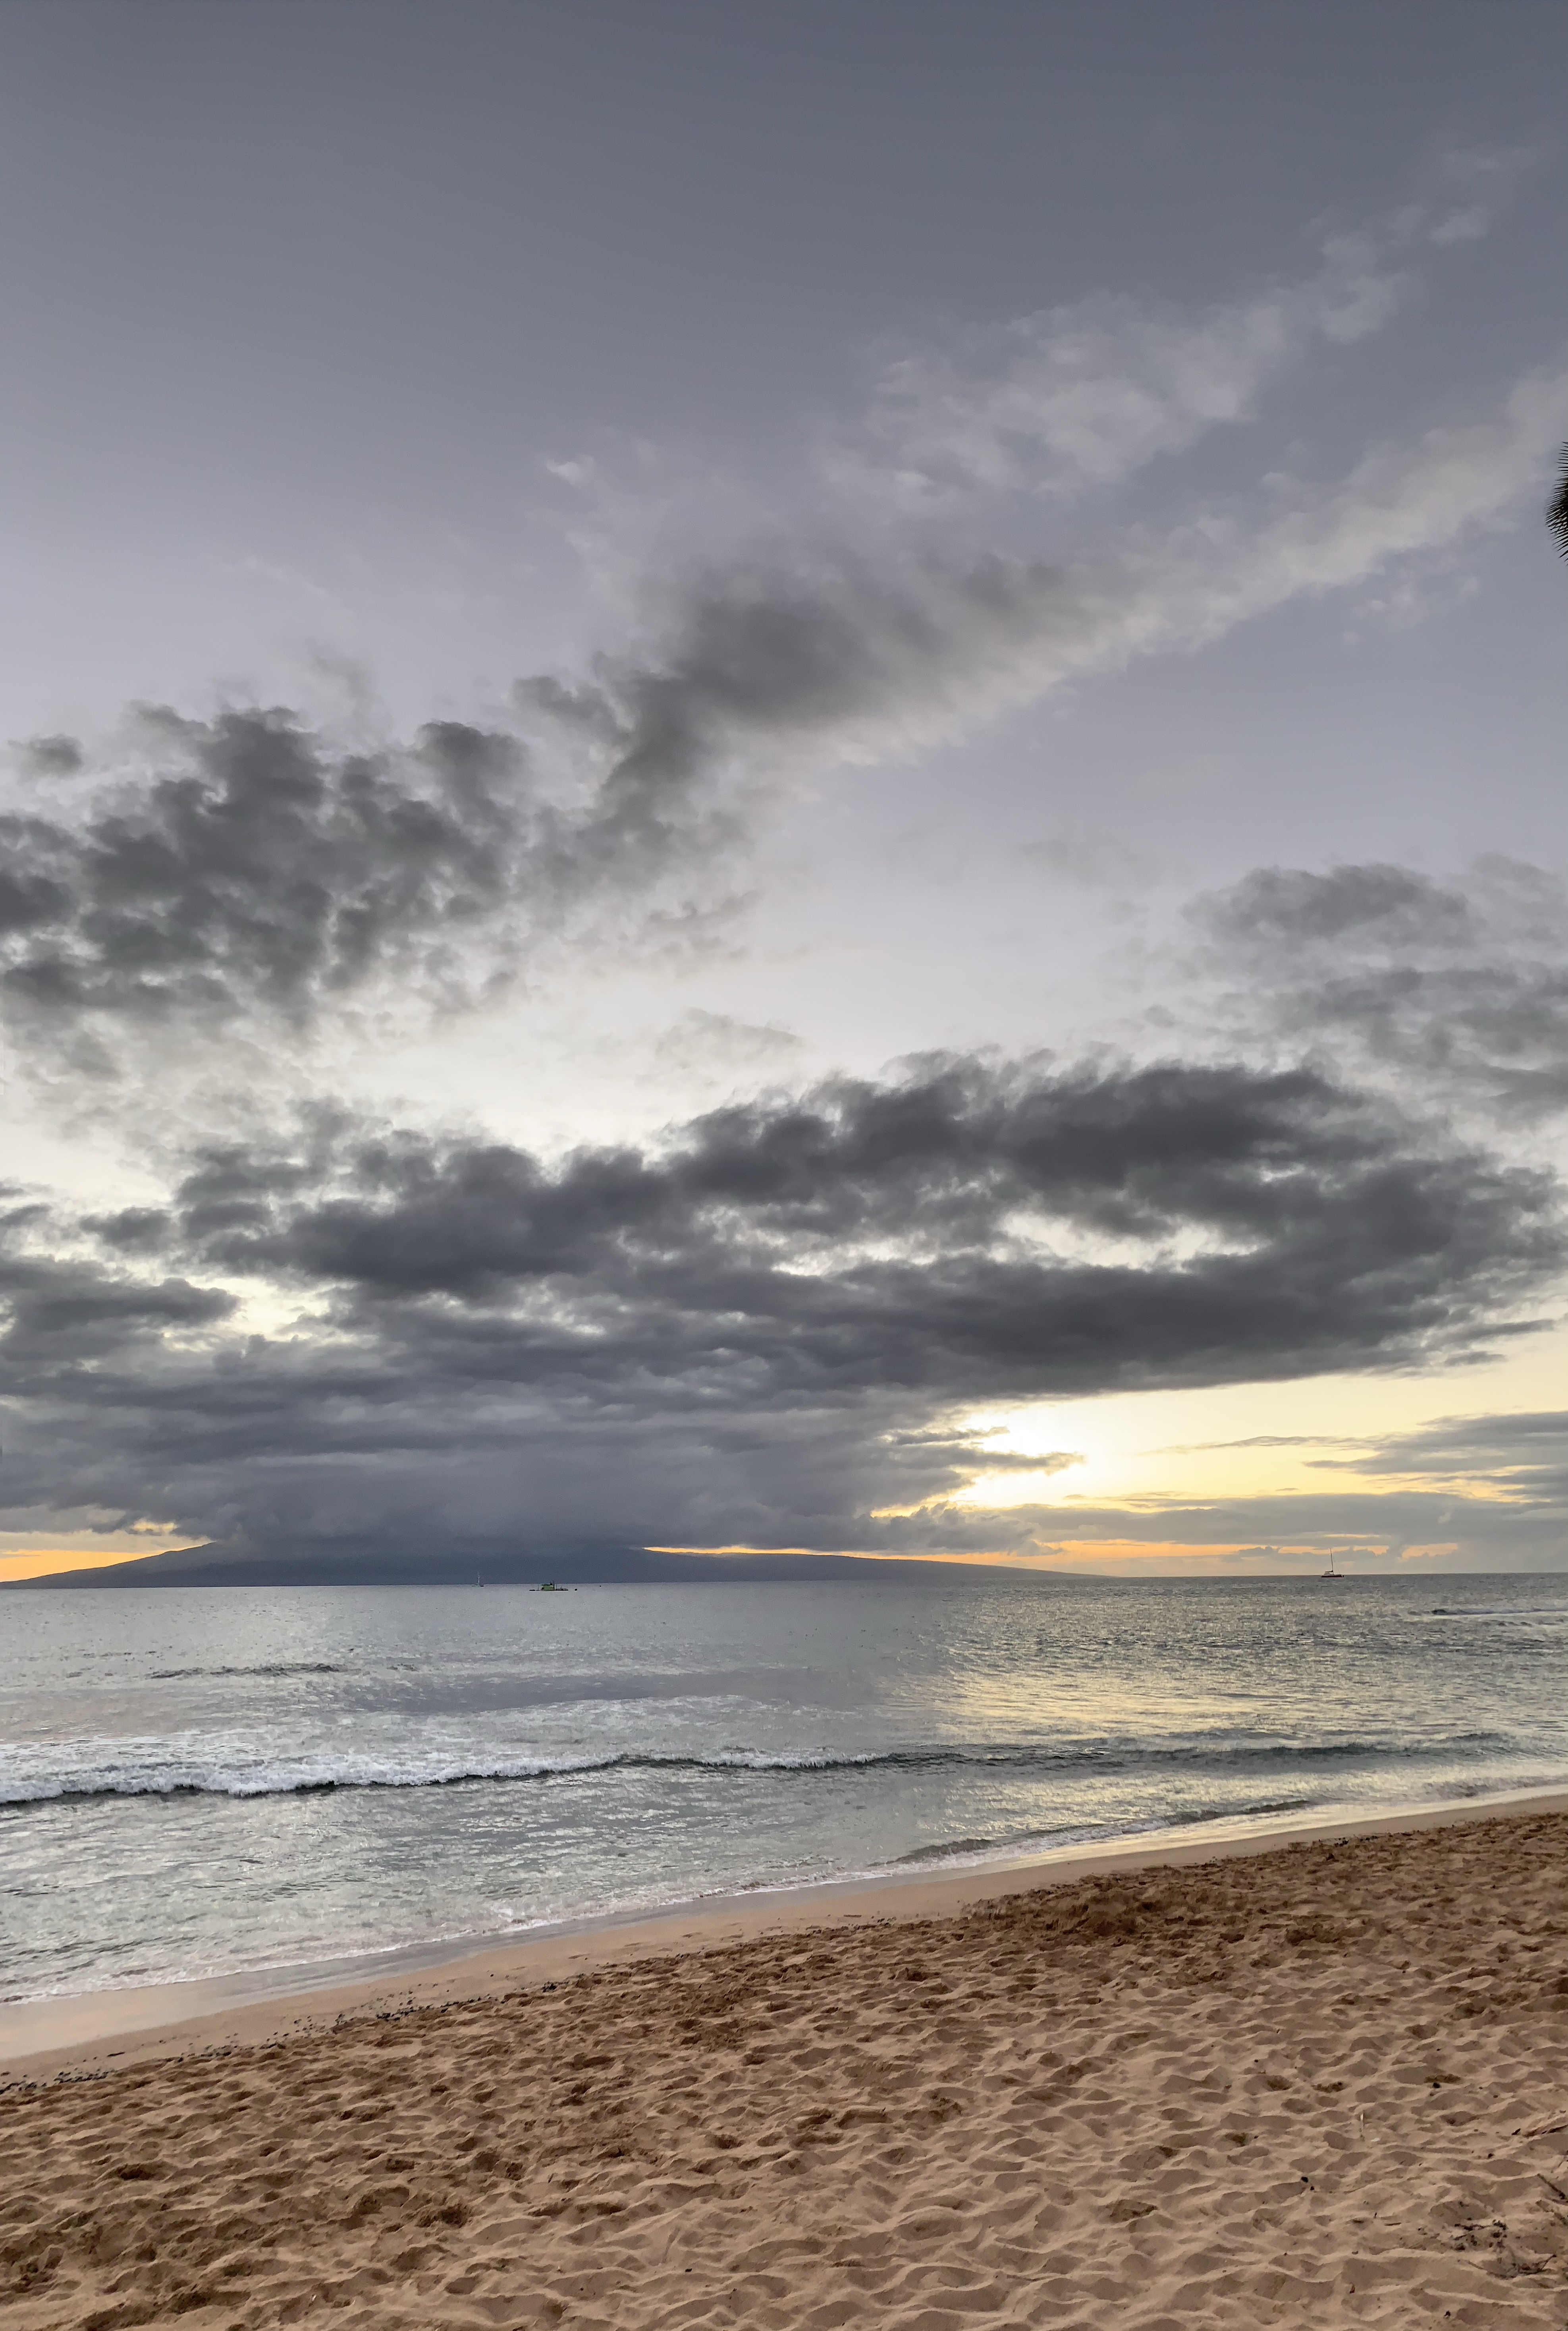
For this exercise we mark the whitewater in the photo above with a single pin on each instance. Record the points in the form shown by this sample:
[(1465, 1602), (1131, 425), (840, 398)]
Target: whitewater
[(198, 1783)]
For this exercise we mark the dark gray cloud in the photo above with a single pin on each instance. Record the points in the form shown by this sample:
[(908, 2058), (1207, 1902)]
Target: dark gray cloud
[(967, 1229), (64, 1314), (1289, 906), (50, 756), (758, 1331), (798, 648), (1460, 988), (256, 868), (1518, 1456), (132, 1229)]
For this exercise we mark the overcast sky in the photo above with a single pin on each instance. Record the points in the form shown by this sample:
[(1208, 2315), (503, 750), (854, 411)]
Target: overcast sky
[(783, 778)]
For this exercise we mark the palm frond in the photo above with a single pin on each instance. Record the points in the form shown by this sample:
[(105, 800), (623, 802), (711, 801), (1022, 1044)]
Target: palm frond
[(1557, 512)]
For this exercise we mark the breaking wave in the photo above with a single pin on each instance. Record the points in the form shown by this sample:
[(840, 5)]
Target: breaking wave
[(276, 1668), (322, 1775)]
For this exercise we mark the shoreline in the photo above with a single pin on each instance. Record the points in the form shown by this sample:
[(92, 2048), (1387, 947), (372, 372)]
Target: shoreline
[(88, 2034), (1243, 2086)]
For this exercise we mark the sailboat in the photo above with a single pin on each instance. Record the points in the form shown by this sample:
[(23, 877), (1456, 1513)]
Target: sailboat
[(1331, 1572)]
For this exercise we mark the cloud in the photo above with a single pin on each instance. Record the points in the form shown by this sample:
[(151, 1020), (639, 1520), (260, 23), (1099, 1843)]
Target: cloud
[(1395, 904), (1520, 1457), (971, 1226), (1076, 398), (63, 1313), (856, 658), (252, 867), (762, 1329), (851, 657), (249, 867), (707, 1041), (759, 1331), (1458, 987), (50, 756), (1382, 1521), (762, 663), (1489, 1490), (1401, 501)]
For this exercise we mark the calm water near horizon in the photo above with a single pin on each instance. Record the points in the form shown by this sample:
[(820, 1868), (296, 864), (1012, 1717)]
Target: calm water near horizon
[(210, 1781)]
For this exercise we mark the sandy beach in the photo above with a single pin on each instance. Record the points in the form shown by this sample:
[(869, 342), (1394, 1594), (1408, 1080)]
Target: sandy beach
[(1309, 2084)]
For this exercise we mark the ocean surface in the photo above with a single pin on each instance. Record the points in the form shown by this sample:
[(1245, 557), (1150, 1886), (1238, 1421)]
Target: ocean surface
[(209, 1783)]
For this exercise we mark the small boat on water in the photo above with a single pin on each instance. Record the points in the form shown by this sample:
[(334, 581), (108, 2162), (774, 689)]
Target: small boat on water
[(1331, 1572)]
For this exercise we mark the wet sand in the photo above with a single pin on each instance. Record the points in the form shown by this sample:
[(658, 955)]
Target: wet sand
[(103, 2030), (1289, 2086)]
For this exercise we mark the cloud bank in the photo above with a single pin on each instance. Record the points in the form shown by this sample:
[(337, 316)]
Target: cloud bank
[(759, 1332)]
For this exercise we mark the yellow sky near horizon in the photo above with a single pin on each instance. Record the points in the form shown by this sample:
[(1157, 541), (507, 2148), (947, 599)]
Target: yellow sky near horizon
[(1252, 1439), (47, 1562)]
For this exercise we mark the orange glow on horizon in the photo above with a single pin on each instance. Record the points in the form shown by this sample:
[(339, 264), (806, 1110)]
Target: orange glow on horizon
[(1067, 1553), (47, 1562), (842, 1552)]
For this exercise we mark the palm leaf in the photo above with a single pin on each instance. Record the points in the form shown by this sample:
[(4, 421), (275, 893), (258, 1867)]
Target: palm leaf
[(1557, 514)]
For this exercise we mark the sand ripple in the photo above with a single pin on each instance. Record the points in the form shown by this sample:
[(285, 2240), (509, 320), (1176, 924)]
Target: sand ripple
[(1276, 2090)]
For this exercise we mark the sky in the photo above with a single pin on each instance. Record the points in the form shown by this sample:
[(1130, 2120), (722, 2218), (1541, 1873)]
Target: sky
[(783, 779)]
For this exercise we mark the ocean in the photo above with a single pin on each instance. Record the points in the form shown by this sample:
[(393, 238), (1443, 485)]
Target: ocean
[(212, 1782)]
